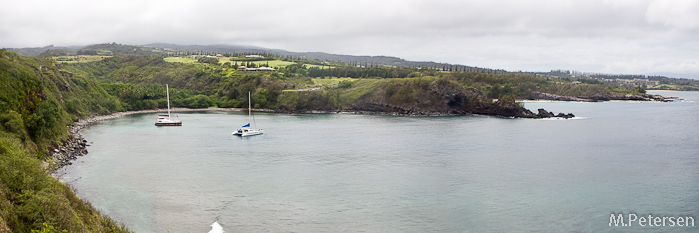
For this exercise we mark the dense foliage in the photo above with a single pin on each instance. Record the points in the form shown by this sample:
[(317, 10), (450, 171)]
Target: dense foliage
[(37, 102), (523, 85), (139, 82), (359, 72)]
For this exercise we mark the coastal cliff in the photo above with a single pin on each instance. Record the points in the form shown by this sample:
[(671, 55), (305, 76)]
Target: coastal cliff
[(409, 96)]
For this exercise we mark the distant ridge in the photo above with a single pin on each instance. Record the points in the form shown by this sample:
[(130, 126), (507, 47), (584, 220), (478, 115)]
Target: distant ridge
[(377, 60), (219, 48), (36, 51), (165, 48)]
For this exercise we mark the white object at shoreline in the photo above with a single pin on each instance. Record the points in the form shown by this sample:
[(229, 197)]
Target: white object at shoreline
[(216, 228)]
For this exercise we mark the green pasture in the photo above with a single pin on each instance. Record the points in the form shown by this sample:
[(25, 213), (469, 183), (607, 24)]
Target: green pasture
[(308, 66), (221, 60), (180, 59), (329, 82), (272, 63), (79, 58), (321, 83)]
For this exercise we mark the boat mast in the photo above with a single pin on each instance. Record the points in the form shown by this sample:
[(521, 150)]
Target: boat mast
[(167, 90), (249, 106)]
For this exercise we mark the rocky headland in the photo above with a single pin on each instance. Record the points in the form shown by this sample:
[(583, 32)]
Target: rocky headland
[(600, 98), (414, 97)]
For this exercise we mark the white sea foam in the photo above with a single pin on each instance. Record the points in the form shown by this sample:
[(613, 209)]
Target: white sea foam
[(216, 228), (561, 118)]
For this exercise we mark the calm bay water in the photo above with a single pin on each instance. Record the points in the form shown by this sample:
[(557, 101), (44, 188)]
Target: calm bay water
[(365, 173)]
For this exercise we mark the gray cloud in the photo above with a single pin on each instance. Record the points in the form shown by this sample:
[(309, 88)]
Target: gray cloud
[(607, 36)]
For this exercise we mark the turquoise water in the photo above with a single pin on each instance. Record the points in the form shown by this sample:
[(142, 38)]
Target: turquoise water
[(367, 173)]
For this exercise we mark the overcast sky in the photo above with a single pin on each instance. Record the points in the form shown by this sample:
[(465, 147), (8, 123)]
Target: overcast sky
[(604, 36)]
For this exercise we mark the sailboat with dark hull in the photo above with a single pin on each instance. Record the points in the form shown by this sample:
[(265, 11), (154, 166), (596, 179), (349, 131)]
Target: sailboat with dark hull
[(164, 120)]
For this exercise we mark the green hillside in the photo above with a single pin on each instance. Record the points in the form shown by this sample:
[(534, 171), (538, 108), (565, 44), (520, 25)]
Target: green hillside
[(298, 87), (207, 82), (37, 102)]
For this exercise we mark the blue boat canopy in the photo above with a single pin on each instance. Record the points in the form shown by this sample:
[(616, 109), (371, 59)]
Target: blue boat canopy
[(248, 125)]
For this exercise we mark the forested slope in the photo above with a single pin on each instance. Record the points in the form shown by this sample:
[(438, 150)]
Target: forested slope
[(37, 102)]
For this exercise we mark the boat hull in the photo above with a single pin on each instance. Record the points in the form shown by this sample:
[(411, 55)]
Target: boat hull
[(247, 132), (164, 120), (251, 133), (168, 123)]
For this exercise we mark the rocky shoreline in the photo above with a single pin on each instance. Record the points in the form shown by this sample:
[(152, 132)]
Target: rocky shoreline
[(542, 113), (76, 145)]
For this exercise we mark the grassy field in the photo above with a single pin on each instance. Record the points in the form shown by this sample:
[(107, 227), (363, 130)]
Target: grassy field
[(322, 83), (180, 59), (671, 87), (79, 58), (272, 63), (329, 82), (662, 86), (361, 88), (308, 66), (221, 60)]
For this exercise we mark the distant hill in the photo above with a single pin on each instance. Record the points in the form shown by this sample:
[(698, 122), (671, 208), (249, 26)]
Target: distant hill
[(33, 52), (649, 82), (162, 48), (368, 61), (358, 60)]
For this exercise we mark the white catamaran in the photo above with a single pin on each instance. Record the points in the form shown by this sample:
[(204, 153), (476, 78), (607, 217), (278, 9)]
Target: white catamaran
[(164, 120), (246, 130)]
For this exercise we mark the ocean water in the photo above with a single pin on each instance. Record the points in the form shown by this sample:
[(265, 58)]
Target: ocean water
[(370, 173)]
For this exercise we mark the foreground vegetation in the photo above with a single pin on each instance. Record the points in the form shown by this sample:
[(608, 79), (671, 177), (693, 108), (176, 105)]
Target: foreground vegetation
[(37, 102)]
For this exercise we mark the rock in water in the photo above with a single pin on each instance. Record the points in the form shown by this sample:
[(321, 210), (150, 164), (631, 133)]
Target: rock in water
[(544, 114)]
